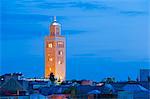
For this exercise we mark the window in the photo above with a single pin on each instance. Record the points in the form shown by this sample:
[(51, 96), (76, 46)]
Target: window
[(50, 69), (50, 59), (60, 44), (50, 45), (59, 62), (60, 52)]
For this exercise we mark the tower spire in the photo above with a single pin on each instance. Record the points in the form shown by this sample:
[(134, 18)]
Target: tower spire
[(55, 52), (55, 28), (54, 18)]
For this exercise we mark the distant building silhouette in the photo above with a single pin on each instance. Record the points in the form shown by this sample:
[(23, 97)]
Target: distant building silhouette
[(144, 74), (12, 85)]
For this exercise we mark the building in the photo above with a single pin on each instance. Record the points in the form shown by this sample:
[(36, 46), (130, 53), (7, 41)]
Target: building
[(86, 82), (13, 85), (133, 91), (55, 52), (144, 74)]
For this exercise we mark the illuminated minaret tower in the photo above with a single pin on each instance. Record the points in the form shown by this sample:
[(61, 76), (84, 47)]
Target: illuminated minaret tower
[(55, 52)]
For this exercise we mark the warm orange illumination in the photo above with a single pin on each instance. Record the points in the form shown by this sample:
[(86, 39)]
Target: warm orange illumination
[(50, 59), (60, 77), (50, 45), (50, 69), (55, 55)]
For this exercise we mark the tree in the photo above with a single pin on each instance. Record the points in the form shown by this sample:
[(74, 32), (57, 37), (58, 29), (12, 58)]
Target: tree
[(52, 78), (109, 80)]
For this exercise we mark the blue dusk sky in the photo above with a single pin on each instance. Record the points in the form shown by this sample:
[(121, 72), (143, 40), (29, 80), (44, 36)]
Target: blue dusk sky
[(105, 38)]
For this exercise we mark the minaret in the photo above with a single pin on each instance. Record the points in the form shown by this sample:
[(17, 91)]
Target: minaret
[(55, 52)]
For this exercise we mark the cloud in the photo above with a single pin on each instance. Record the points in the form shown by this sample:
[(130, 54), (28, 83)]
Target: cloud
[(133, 13), (90, 5), (81, 4), (29, 17), (17, 26)]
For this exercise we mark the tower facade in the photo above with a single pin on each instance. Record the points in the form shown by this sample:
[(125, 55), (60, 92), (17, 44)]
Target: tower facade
[(55, 52)]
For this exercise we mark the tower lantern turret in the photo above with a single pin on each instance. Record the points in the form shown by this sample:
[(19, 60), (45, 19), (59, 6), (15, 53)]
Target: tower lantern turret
[(55, 28)]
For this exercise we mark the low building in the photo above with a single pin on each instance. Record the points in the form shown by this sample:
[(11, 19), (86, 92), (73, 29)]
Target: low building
[(86, 82), (59, 96), (133, 91), (145, 84), (58, 89), (12, 85), (144, 74), (36, 85)]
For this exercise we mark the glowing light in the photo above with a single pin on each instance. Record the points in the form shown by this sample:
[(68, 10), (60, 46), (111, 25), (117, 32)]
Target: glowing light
[(55, 54), (60, 77), (50, 59), (59, 62), (50, 45), (100, 84), (50, 69)]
